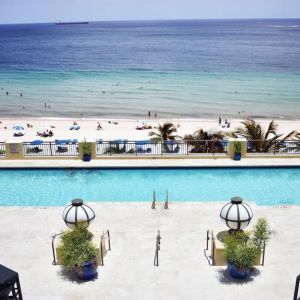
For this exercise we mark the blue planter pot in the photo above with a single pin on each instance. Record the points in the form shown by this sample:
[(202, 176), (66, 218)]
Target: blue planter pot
[(237, 156), (237, 273), (87, 157), (88, 271)]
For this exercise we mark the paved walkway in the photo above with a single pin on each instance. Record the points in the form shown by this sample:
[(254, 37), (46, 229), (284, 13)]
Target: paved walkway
[(146, 163), (184, 272)]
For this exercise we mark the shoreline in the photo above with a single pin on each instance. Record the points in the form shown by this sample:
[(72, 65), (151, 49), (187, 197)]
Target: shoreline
[(120, 128)]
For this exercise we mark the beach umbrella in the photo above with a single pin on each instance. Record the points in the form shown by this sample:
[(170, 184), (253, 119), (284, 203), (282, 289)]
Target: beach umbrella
[(140, 126), (18, 127), (36, 142)]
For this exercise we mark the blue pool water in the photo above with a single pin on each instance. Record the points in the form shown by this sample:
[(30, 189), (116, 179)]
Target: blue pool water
[(265, 186)]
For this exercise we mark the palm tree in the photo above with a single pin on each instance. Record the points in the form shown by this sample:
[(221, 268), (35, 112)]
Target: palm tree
[(204, 142), (261, 140), (165, 133)]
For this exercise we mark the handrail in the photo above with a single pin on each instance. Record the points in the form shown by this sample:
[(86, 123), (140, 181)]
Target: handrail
[(207, 239), (263, 254), (105, 236), (296, 287), (158, 238), (54, 262)]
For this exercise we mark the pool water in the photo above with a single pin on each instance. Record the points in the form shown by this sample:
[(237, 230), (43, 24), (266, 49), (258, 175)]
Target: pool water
[(265, 186)]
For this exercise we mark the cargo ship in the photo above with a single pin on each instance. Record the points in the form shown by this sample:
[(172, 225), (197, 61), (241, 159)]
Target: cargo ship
[(70, 23)]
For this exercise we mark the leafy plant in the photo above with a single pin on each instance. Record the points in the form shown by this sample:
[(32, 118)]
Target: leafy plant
[(261, 140), (240, 250), (205, 142), (243, 248), (2, 152), (115, 150), (86, 147), (76, 247), (165, 133), (261, 232), (237, 147)]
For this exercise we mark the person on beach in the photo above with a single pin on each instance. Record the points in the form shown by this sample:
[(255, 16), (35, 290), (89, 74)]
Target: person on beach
[(220, 121), (21, 95), (149, 113), (6, 93), (99, 127), (225, 121), (49, 106), (155, 115), (45, 105)]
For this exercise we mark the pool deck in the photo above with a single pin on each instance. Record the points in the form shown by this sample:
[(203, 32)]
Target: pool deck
[(128, 273), (151, 163)]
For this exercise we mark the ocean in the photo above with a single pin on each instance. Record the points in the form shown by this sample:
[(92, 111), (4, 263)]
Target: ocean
[(177, 69)]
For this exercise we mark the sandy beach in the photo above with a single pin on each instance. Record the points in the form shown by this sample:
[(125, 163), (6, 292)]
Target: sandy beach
[(118, 128)]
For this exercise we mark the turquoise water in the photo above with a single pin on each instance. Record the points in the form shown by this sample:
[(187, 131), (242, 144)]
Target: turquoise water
[(265, 186), (195, 68), (133, 93)]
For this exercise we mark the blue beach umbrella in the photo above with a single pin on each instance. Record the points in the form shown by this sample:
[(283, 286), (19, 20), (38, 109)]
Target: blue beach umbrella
[(18, 127), (36, 142)]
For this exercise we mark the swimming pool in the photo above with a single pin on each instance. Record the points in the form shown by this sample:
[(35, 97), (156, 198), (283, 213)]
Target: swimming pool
[(265, 186)]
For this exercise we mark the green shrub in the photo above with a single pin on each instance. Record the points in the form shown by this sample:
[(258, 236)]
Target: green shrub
[(237, 147), (243, 248), (76, 247), (261, 232), (86, 147)]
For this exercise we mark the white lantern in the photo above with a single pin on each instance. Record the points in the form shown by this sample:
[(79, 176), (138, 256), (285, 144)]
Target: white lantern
[(78, 213), (236, 214)]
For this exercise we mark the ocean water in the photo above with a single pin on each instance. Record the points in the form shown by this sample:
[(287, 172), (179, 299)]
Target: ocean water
[(174, 68), (275, 186)]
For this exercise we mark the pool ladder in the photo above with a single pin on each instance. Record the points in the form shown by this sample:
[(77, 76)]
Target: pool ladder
[(166, 205)]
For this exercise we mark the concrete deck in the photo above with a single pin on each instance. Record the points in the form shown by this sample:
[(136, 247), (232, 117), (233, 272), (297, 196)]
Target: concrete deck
[(184, 272), (149, 163)]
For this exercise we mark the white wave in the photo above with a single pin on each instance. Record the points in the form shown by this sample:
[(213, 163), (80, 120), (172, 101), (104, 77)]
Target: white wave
[(284, 26)]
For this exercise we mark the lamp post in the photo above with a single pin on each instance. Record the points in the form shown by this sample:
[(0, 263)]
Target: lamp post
[(236, 214), (78, 213)]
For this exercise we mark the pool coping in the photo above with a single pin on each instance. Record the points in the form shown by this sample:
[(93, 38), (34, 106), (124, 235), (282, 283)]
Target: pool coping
[(150, 163)]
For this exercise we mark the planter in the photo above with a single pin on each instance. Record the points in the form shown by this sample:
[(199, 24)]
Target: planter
[(86, 157), (237, 273), (237, 156), (88, 270)]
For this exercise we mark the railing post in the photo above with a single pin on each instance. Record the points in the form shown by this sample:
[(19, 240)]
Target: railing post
[(108, 236), (207, 239), (296, 287), (263, 254), (51, 149)]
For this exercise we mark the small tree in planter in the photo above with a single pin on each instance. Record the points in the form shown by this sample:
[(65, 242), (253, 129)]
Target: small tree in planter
[(87, 150), (243, 249), (237, 150), (79, 253)]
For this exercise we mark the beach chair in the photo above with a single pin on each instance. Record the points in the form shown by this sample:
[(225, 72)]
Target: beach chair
[(77, 127), (72, 127), (61, 149)]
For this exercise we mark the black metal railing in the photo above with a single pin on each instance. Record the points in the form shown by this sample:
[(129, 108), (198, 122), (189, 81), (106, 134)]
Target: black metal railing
[(157, 249), (50, 149), (151, 148), (2, 149), (296, 288), (258, 147)]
